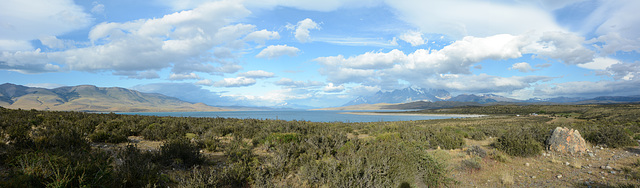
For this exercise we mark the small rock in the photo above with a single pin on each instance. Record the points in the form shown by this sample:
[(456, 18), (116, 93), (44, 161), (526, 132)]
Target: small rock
[(567, 163), (526, 164), (591, 154), (589, 172), (601, 147), (602, 167), (533, 177), (613, 172), (608, 167), (559, 176)]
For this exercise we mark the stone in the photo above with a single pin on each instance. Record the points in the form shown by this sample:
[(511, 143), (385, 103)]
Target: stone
[(566, 141), (526, 164), (559, 176)]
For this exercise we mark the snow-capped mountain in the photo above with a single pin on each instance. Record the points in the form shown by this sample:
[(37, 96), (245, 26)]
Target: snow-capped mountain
[(410, 94)]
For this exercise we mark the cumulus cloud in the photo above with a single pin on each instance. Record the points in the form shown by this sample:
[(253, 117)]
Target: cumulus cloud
[(625, 71), (522, 67), (330, 88), (376, 68), (257, 74), (590, 89), (235, 82), (302, 33), (181, 41), (567, 47), (277, 51), (22, 21), (600, 63), (261, 36), (482, 83), (205, 82), (189, 76), (413, 37)]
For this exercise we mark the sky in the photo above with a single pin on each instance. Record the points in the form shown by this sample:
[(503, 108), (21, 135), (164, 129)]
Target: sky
[(324, 53)]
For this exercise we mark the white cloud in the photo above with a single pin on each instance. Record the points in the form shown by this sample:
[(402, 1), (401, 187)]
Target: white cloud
[(287, 82), (302, 32), (15, 45), (413, 37), (330, 88), (22, 21), (45, 85), (261, 36), (257, 74), (235, 82), (183, 40), (600, 63), (625, 71), (205, 82), (277, 51), (150, 74), (189, 76), (313, 5), (590, 89), (378, 68), (567, 47), (97, 8), (447, 68), (459, 18), (522, 67), (617, 30), (482, 83)]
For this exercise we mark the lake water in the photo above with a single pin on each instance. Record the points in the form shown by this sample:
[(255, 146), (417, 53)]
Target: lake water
[(314, 116)]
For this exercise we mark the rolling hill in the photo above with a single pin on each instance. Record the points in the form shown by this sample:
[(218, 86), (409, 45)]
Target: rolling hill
[(90, 98)]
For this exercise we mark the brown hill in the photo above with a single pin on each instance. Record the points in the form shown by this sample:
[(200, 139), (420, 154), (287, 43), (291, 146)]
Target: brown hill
[(92, 99)]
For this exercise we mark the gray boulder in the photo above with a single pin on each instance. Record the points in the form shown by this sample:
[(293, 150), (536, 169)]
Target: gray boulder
[(566, 140)]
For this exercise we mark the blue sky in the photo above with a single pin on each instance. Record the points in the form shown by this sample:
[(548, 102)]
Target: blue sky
[(323, 53)]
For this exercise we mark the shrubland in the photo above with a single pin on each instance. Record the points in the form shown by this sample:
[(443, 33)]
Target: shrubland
[(61, 149)]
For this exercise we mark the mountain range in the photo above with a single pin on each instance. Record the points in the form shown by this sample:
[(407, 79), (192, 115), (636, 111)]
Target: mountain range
[(92, 99), (413, 95), (410, 94)]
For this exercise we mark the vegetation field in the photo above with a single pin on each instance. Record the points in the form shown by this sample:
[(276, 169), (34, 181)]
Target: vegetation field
[(506, 148)]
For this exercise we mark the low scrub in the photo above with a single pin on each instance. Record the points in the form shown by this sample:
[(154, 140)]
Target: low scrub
[(612, 136), (519, 142)]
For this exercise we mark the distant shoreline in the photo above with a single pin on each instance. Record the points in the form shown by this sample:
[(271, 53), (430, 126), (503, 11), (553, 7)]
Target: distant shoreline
[(412, 114)]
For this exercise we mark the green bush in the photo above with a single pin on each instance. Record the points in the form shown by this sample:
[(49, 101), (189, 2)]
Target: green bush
[(137, 168), (447, 140), (473, 163), (518, 142), (107, 137), (282, 138), (611, 136), (179, 152)]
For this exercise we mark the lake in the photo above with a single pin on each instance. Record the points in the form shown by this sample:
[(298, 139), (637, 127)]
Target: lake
[(314, 116)]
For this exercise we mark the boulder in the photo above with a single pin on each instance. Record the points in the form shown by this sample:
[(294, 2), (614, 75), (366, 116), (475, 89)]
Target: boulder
[(566, 141)]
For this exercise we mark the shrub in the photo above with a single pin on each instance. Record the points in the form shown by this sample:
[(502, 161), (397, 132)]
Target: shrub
[(107, 137), (518, 142), (447, 140), (612, 136), (282, 138), (179, 152), (473, 163), (137, 168), (477, 151)]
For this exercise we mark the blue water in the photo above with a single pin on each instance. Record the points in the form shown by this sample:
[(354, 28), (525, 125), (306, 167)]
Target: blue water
[(313, 116)]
